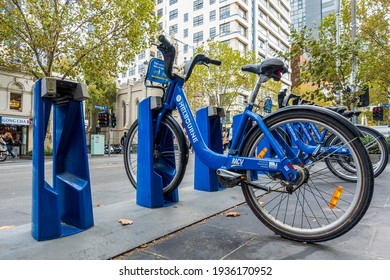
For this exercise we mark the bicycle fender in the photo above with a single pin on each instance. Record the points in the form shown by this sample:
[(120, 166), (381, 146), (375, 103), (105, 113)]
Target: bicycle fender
[(321, 111)]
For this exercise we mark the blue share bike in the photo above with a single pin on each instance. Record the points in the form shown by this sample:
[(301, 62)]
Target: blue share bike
[(283, 176), (374, 142)]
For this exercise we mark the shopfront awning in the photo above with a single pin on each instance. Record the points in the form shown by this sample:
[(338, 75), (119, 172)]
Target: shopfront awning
[(14, 120)]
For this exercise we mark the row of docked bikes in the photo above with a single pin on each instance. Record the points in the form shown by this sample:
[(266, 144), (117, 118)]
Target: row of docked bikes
[(305, 171)]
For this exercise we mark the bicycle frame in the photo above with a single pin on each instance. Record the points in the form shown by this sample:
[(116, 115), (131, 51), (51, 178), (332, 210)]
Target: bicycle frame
[(176, 98)]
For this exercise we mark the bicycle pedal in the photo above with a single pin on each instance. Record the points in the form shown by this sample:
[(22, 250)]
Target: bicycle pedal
[(229, 179)]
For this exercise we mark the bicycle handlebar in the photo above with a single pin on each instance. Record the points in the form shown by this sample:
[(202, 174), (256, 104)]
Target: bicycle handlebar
[(169, 53)]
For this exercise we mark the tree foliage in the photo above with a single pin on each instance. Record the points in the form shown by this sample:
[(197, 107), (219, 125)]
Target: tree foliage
[(71, 38), (374, 30), (219, 85), (328, 66)]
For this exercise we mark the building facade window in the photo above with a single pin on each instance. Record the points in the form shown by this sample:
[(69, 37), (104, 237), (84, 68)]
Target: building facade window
[(198, 4), (173, 29), (242, 13), (185, 33), (212, 2), (160, 12), (198, 37), (15, 101), (241, 47), (141, 69), (213, 15), (185, 49), (131, 71), (159, 1), (141, 55), (213, 32), (185, 17), (173, 14), (171, 2), (224, 29), (198, 20), (242, 30), (224, 12)]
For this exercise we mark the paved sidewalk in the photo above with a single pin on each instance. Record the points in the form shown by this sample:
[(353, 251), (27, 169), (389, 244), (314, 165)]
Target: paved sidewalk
[(197, 228)]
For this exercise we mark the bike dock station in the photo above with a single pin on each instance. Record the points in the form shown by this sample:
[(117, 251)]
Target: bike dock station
[(149, 183), (64, 208), (210, 127)]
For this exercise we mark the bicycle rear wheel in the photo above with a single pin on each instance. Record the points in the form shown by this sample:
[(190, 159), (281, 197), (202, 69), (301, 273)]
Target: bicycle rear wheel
[(170, 163), (321, 207)]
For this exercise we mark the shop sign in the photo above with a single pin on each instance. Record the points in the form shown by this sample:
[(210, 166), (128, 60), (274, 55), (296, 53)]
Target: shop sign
[(14, 121)]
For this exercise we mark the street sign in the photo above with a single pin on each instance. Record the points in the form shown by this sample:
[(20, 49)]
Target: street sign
[(386, 105), (104, 108)]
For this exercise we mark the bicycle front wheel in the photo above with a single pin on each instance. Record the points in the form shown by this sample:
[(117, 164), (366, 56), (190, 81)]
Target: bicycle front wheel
[(3, 156), (321, 207), (170, 154)]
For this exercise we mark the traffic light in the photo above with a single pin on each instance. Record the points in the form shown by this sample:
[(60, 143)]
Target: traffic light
[(364, 99), (377, 113), (113, 120), (103, 119)]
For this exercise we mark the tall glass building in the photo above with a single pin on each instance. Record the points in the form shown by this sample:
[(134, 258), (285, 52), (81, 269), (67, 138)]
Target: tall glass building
[(310, 12)]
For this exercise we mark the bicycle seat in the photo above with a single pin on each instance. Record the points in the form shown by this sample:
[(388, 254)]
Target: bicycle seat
[(338, 109), (350, 114), (270, 67)]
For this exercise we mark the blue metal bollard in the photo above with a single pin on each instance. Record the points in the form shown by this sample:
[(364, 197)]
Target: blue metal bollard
[(66, 207), (209, 123), (149, 183)]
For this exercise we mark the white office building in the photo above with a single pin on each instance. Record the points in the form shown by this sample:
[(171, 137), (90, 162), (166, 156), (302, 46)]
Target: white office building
[(259, 25)]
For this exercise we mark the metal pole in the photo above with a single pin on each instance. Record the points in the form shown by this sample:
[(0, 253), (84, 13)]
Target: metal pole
[(338, 8), (109, 132), (354, 62)]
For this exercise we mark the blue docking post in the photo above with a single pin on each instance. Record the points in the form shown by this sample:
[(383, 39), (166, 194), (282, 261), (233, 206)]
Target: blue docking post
[(153, 175), (64, 208), (209, 123)]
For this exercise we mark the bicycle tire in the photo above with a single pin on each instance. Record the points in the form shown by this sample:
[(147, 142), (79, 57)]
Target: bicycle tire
[(3, 156), (376, 146), (309, 217), (171, 170)]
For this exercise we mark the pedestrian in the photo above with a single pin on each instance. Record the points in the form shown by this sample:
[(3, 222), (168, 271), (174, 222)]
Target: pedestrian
[(123, 139), (225, 140), (230, 137), (9, 140)]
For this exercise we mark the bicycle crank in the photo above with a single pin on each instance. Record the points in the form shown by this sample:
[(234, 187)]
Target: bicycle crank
[(229, 179)]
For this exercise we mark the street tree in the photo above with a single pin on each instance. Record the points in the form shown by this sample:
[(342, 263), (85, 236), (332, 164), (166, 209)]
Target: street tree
[(220, 85), (374, 30), (87, 40), (69, 38), (328, 65)]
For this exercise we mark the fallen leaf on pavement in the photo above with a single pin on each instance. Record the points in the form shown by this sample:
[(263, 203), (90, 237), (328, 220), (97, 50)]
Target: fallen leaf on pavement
[(143, 246), (233, 214), (125, 222), (6, 227)]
